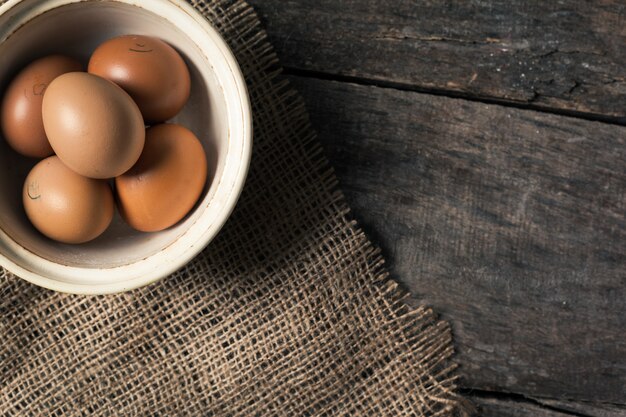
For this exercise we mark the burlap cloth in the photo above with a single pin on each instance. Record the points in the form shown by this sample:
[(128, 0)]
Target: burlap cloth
[(288, 312)]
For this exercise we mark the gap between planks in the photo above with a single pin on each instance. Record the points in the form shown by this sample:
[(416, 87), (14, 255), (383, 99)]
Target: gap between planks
[(549, 405), (370, 82)]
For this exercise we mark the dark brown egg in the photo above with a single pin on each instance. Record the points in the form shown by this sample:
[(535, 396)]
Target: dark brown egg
[(166, 182), (94, 127), (22, 124), (65, 206), (150, 70)]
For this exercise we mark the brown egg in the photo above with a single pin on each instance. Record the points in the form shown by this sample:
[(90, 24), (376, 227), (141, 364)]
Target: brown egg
[(22, 125), (166, 182), (150, 70), (65, 206), (93, 125)]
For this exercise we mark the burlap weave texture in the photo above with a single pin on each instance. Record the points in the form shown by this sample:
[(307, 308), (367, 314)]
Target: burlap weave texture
[(288, 312)]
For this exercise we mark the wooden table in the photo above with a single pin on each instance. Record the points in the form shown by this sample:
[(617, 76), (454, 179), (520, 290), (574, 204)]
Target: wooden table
[(482, 146)]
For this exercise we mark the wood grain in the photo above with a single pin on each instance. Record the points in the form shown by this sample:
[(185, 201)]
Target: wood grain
[(566, 55), (509, 222)]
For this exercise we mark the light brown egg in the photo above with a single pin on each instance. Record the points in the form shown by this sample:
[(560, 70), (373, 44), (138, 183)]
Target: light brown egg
[(93, 125), (166, 182), (22, 124), (65, 206), (150, 70)]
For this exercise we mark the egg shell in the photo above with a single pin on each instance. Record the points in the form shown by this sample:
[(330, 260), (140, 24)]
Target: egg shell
[(93, 125), (65, 206), (21, 119), (150, 70), (166, 182)]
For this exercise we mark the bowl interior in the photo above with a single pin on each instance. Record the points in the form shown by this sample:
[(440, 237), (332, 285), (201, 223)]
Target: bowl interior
[(76, 29)]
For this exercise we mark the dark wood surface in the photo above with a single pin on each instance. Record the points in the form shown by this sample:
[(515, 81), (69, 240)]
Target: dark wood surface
[(566, 54), (509, 221)]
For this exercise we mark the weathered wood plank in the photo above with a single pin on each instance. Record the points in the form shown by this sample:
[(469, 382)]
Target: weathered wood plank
[(496, 407), (510, 222), (568, 54)]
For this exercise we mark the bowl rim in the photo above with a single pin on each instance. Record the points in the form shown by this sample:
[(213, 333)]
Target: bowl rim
[(196, 241)]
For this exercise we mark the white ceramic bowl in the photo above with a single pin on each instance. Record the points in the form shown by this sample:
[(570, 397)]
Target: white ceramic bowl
[(218, 112)]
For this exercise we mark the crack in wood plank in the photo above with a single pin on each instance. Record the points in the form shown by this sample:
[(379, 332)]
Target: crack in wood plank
[(495, 403), (399, 36)]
